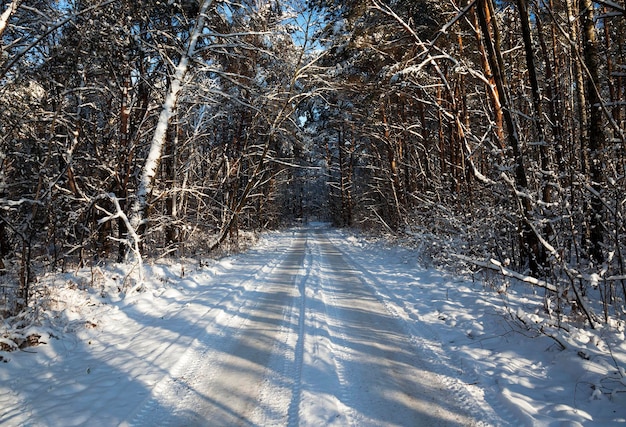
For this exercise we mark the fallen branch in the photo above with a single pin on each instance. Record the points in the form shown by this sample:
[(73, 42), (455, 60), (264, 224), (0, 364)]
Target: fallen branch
[(497, 266), (555, 337)]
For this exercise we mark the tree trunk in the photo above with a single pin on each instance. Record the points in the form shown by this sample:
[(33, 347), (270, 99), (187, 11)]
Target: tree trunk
[(596, 138), (140, 206), (552, 92), (125, 161), (171, 205), (491, 89), (529, 242), (344, 179), (393, 168), (537, 114), (583, 118), (6, 15)]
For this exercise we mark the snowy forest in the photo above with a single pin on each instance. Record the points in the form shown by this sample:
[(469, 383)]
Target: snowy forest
[(490, 132)]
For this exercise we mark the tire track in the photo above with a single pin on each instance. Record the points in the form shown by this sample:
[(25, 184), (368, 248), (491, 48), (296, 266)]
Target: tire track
[(383, 379), (321, 316), (424, 338), (158, 407), (237, 379), (280, 395), (294, 368)]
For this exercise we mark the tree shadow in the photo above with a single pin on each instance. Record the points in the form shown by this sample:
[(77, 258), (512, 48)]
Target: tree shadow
[(241, 344)]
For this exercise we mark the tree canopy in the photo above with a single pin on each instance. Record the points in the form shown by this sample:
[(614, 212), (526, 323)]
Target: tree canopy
[(493, 129)]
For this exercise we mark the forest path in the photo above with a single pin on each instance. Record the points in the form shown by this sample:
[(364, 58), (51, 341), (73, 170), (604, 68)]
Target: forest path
[(311, 326), (308, 342)]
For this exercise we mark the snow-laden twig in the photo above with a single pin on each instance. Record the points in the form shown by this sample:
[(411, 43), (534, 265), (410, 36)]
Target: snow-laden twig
[(132, 242), (554, 336), (4, 18), (570, 272), (497, 266), (621, 10), (47, 31)]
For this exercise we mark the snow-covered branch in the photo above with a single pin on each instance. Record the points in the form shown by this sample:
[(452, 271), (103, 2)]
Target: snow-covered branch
[(132, 242), (497, 266), (48, 30), (6, 15)]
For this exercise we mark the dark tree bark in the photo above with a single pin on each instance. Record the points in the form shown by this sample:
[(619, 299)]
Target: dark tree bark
[(595, 135), (529, 241)]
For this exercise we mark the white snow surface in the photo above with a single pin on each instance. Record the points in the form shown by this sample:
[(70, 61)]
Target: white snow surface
[(313, 326)]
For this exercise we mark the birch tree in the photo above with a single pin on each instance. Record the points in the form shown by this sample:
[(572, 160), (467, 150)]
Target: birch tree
[(140, 206), (6, 15)]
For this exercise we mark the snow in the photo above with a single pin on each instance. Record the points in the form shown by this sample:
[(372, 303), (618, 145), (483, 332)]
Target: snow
[(313, 326)]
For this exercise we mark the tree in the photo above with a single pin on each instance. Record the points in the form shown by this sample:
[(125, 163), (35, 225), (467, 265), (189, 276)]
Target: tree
[(595, 134), (149, 170), (155, 127)]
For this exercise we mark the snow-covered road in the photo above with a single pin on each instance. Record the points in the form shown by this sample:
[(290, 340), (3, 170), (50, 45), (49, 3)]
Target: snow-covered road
[(307, 343), (311, 327)]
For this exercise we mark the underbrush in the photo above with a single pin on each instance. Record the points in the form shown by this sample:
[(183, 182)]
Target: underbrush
[(58, 292)]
